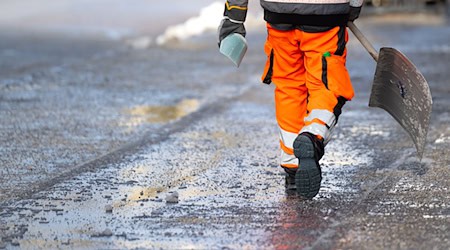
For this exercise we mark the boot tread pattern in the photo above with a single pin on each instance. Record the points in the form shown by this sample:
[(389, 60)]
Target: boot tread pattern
[(308, 176)]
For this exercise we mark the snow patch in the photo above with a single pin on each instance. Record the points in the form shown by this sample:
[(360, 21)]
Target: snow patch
[(207, 21), (442, 140)]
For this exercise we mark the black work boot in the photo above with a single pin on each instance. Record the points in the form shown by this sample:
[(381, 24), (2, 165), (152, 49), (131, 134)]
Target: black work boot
[(290, 179), (309, 150)]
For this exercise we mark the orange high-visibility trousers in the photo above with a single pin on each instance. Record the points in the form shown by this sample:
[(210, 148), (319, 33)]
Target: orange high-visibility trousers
[(311, 83)]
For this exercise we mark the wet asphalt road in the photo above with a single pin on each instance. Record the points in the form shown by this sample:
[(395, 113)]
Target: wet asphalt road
[(97, 140)]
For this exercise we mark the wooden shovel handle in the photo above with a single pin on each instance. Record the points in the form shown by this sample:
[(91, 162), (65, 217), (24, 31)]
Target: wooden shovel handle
[(366, 43)]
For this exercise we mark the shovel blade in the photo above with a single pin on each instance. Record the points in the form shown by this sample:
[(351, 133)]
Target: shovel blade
[(234, 47), (401, 90)]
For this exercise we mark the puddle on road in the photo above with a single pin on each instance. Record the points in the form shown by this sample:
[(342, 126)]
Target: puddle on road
[(159, 113)]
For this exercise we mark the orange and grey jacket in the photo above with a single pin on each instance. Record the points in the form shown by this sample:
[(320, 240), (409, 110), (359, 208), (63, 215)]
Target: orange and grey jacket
[(297, 12)]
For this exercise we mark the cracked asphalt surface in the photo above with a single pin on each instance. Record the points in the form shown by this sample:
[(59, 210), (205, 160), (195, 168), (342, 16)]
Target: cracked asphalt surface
[(107, 147)]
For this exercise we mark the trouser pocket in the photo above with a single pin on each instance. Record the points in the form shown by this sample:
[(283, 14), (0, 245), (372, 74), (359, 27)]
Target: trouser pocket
[(335, 76), (268, 69)]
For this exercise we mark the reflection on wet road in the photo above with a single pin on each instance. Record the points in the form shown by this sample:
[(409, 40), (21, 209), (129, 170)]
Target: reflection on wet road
[(161, 114)]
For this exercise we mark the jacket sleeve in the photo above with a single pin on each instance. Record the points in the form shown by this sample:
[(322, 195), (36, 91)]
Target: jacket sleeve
[(236, 10), (355, 9)]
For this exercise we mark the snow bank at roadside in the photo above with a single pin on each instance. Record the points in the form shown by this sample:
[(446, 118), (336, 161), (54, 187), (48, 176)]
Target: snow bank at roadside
[(207, 21)]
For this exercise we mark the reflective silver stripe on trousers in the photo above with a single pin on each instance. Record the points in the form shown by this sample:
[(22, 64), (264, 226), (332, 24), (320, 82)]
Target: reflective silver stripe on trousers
[(322, 114), (287, 138), (316, 129), (287, 159)]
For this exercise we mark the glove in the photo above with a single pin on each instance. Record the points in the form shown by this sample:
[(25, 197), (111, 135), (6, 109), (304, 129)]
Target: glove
[(354, 13), (228, 27)]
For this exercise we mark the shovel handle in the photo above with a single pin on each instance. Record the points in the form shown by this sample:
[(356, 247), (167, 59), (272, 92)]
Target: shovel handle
[(364, 41)]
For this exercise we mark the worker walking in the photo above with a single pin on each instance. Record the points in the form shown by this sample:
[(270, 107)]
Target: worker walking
[(306, 57)]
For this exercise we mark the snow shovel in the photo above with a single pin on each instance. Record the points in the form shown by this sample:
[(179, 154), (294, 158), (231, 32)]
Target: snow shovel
[(234, 47), (400, 89)]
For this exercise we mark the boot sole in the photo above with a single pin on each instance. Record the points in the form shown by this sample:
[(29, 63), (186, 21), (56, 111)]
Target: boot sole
[(308, 176), (291, 186)]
